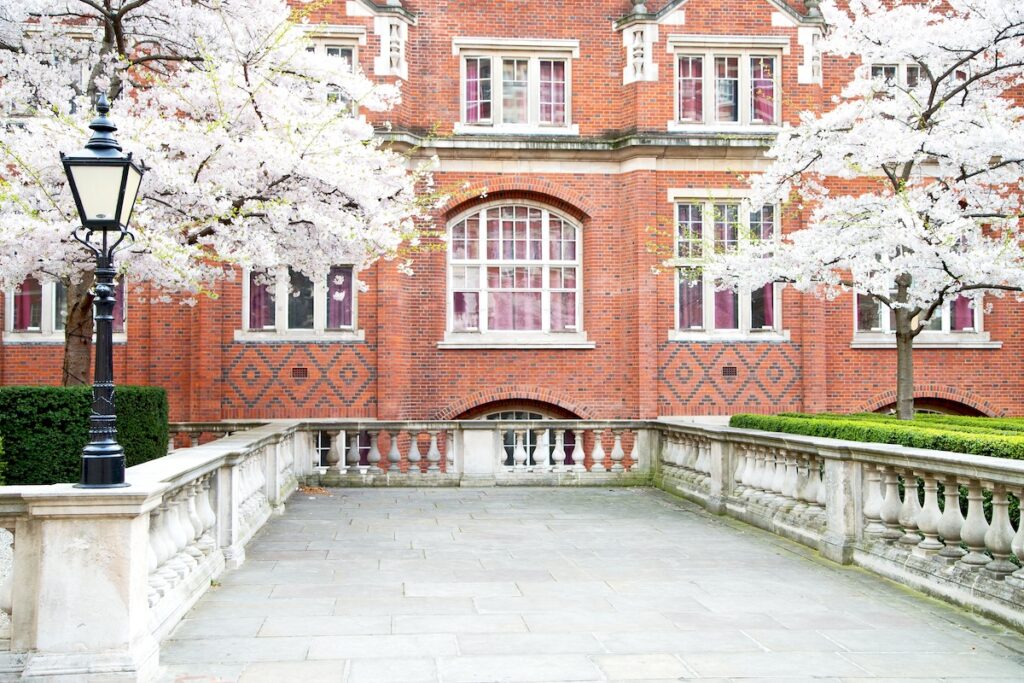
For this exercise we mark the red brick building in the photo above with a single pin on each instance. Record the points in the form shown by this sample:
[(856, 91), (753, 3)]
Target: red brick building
[(584, 142)]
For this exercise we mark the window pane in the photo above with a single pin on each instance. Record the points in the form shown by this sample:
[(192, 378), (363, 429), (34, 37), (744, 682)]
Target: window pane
[(515, 86), (261, 302), (727, 310), (868, 314), (762, 307), (300, 302), (466, 311), (28, 305), (563, 240), (478, 89), (118, 314), (727, 229), (762, 89), (913, 75), (552, 92), (935, 322), (339, 297), (691, 89), (886, 72), (514, 310), (762, 223), (690, 230), (962, 315), (727, 88), (563, 311), (691, 299), (60, 306)]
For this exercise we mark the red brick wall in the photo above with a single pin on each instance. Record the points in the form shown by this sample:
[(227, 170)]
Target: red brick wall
[(634, 370)]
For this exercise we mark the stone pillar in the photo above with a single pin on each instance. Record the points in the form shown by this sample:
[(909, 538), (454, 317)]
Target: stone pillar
[(90, 584), (722, 467), (844, 512)]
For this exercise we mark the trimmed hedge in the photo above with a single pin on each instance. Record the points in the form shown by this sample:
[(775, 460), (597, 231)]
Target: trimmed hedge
[(888, 430), (969, 425), (45, 428), (3, 465)]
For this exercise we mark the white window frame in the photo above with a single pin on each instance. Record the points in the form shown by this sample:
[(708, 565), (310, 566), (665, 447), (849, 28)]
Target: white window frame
[(744, 47), (517, 339), (48, 333), (901, 71), (708, 199), (499, 49), (281, 331), (885, 337)]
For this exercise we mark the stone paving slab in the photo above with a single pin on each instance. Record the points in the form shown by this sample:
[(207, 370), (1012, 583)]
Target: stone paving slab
[(533, 585)]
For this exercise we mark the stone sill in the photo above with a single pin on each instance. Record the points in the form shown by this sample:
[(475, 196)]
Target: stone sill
[(704, 337), (301, 336), (977, 340), (49, 339)]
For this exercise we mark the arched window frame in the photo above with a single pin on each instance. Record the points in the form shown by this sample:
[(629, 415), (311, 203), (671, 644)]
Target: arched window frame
[(484, 337)]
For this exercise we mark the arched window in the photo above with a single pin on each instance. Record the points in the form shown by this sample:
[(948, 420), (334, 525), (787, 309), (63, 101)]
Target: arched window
[(515, 272), (538, 451)]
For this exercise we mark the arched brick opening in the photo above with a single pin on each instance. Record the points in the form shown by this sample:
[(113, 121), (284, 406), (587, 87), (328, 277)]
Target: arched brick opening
[(491, 400), (946, 399), (557, 197)]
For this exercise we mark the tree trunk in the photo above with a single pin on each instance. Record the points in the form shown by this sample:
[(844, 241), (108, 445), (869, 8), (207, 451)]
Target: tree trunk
[(78, 333), (904, 365)]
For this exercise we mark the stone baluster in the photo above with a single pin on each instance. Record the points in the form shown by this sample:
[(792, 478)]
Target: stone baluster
[(155, 585), (951, 523), (929, 516), (756, 470), (578, 455), (193, 439), (789, 482), (160, 526), (618, 454), (449, 451), (352, 458), (1017, 545), (910, 509), (176, 534), (817, 487), (741, 468), (975, 528), (208, 541), (749, 470), (158, 584), (539, 459), (414, 456), (873, 501), (634, 455), (802, 493), (891, 506), (191, 496), (519, 452), (186, 542), (373, 458), (394, 455), (820, 484), (677, 455), (433, 453), (700, 463), (597, 454), (999, 537), (779, 477), (690, 453), (558, 455)]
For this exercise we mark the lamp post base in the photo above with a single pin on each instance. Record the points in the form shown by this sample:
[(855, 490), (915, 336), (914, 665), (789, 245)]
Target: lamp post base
[(102, 472)]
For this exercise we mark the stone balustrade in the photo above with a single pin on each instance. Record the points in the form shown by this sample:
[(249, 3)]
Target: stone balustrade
[(939, 522), (122, 566), (99, 576)]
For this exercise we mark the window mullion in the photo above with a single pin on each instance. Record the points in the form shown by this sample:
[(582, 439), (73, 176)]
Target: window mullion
[(281, 288), (545, 275), (533, 91), (46, 300), (320, 304), (497, 91)]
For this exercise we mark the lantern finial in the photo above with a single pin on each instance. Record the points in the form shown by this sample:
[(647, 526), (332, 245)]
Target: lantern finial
[(103, 128)]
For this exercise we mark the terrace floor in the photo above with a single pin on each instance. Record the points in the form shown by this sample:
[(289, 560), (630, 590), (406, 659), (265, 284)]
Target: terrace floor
[(545, 585)]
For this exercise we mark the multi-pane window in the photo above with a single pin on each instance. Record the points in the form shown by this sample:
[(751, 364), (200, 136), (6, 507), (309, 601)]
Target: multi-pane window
[(478, 90), (700, 304), (902, 75), (520, 92), (955, 316), (41, 308), (514, 268), (346, 56), (691, 88), (291, 301), (743, 87)]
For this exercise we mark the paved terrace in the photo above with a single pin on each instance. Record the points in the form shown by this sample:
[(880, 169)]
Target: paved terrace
[(475, 585)]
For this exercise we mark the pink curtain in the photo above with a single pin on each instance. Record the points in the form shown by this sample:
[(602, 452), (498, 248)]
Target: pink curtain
[(727, 88), (726, 310), (552, 92), (563, 311), (28, 305), (467, 311), (962, 314), (691, 89), (762, 307), (339, 297), (691, 302), (472, 91), (261, 303), (763, 88)]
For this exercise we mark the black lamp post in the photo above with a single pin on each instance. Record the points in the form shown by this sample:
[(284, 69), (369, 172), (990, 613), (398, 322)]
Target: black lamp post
[(105, 183)]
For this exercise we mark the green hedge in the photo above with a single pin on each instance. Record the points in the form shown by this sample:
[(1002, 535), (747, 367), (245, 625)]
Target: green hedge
[(3, 465), (954, 423), (916, 434), (45, 428)]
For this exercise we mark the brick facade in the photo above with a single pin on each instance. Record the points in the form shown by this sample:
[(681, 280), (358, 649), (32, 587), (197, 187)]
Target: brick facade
[(614, 179)]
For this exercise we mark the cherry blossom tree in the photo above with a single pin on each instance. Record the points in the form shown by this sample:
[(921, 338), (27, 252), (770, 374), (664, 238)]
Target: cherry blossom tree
[(256, 154), (913, 179)]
